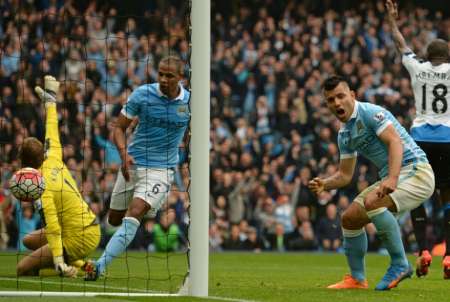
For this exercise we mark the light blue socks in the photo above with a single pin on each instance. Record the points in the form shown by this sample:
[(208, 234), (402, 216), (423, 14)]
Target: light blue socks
[(389, 233), (118, 242), (355, 248)]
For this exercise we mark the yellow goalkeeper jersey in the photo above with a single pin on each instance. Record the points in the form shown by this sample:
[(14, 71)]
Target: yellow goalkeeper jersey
[(63, 210)]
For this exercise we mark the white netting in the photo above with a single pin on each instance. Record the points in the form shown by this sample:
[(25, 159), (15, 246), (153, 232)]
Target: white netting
[(100, 53)]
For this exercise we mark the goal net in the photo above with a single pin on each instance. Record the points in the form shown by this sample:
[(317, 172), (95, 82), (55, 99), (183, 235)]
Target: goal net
[(101, 51)]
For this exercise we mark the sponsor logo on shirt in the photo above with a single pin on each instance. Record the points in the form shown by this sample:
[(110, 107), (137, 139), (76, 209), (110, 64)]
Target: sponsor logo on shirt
[(379, 117)]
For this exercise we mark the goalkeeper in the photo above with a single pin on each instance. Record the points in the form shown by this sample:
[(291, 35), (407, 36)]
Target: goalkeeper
[(71, 231)]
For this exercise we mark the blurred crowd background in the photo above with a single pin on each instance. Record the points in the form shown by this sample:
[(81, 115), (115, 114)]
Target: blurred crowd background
[(270, 130)]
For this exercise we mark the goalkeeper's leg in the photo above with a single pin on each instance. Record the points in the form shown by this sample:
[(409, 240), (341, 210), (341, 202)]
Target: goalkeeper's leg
[(35, 239), (31, 264)]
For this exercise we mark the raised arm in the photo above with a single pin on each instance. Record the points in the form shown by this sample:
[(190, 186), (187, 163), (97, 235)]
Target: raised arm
[(48, 96), (392, 14)]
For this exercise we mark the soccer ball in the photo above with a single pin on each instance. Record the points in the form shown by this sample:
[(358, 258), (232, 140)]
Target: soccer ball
[(27, 184)]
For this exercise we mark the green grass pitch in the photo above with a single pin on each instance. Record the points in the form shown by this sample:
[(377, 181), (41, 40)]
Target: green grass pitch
[(236, 277)]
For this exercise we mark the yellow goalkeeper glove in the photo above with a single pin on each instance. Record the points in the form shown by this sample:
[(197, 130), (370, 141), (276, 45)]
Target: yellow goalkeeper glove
[(51, 88), (63, 269)]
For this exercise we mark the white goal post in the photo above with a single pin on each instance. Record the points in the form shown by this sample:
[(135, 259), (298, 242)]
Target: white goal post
[(200, 106)]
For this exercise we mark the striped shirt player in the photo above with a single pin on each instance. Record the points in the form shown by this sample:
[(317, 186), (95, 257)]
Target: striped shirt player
[(143, 184), (431, 126), (430, 80), (431, 86)]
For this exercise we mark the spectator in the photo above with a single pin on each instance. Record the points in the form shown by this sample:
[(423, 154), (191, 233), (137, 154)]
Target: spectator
[(4, 236), (253, 242), (27, 221), (303, 238), (166, 233), (215, 238), (329, 230), (279, 240), (233, 242)]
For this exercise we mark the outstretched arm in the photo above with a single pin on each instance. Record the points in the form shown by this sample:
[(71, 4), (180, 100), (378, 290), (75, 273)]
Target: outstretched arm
[(392, 14), (48, 96)]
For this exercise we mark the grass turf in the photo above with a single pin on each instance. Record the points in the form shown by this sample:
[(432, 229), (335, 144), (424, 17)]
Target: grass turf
[(236, 276)]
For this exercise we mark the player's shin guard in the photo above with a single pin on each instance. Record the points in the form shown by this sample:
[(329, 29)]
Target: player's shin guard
[(355, 247), (419, 221), (389, 232), (118, 243)]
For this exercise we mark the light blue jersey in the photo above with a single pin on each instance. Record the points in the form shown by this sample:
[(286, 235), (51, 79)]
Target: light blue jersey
[(360, 135), (161, 127)]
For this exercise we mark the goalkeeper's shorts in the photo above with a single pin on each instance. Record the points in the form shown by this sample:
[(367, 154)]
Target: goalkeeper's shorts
[(79, 246)]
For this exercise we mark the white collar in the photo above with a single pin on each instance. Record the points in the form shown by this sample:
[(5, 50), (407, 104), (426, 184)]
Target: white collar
[(355, 110), (179, 97)]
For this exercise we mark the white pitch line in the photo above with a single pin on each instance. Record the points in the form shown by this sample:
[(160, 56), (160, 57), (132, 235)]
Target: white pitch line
[(79, 294), (154, 293), (79, 285), (228, 299)]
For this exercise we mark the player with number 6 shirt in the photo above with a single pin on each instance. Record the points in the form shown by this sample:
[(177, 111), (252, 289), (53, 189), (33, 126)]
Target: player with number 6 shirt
[(148, 162), (430, 80)]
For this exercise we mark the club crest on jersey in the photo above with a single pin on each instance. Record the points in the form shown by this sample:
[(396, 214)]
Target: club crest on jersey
[(181, 110), (359, 127), (379, 117)]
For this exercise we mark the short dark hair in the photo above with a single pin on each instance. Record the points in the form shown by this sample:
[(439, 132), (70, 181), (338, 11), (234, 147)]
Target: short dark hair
[(331, 82), (31, 153), (173, 59), (438, 49)]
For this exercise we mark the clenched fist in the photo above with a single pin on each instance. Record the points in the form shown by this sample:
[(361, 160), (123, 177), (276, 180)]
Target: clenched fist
[(317, 185)]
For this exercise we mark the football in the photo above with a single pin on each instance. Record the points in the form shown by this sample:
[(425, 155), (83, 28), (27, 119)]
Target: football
[(27, 184)]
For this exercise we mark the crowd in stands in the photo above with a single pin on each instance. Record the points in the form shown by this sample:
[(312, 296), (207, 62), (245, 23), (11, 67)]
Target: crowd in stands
[(270, 130)]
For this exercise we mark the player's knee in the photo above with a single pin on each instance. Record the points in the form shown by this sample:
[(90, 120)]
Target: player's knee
[(115, 217), (136, 213), (138, 209), (370, 206), (28, 242), (114, 220), (21, 269), (348, 221)]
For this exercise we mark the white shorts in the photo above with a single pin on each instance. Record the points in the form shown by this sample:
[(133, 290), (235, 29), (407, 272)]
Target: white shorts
[(415, 185), (149, 184)]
